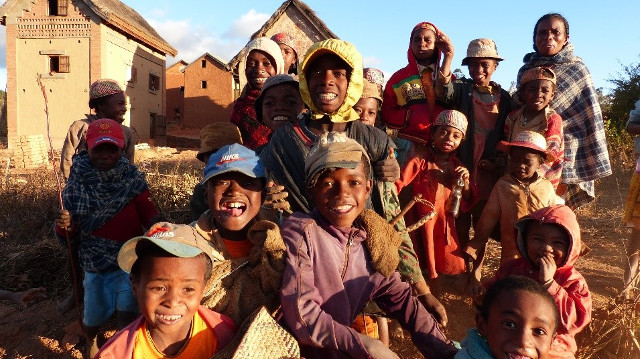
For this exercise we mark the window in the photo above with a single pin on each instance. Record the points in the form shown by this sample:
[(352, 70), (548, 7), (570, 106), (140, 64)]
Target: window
[(203, 63), (154, 82), (203, 84), (133, 75), (58, 7), (58, 64), (181, 89)]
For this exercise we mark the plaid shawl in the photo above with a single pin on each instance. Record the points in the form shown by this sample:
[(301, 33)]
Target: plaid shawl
[(93, 197), (586, 155)]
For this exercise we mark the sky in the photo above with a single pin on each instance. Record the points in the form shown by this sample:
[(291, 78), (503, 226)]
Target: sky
[(605, 34)]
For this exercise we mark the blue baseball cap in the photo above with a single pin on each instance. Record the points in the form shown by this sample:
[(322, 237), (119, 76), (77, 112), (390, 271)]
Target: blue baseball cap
[(233, 158)]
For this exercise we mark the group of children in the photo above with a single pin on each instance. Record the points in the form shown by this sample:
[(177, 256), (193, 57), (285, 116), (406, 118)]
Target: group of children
[(319, 152)]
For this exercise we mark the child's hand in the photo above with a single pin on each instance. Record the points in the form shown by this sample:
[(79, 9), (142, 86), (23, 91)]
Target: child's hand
[(63, 219), (444, 44), (475, 288), (473, 248), (547, 268), (462, 172), (276, 198), (387, 170), (376, 348), (22, 299)]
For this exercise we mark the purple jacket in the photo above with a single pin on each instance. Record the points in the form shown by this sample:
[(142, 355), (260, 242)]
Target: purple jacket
[(329, 279)]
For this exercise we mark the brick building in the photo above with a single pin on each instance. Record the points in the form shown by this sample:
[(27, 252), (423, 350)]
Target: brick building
[(69, 44), (174, 77)]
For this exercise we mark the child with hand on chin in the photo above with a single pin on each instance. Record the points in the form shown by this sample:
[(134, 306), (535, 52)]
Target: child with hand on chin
[(549, 243), (340, 256)]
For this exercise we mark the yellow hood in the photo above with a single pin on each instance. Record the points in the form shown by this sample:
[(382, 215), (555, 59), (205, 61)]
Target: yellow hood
[(352, 57)]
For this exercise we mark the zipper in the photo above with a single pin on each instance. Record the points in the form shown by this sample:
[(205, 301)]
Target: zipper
[(346, 255)]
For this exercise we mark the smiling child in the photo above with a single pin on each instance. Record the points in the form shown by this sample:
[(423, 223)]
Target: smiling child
[(549, 242), (340, 257), (169, 268), (517, 319)]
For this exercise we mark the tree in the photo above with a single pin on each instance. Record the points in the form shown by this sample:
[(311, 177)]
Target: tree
[(621, 100)]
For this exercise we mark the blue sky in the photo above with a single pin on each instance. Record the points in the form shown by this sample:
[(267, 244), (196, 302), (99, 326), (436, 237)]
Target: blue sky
[(605, 33)]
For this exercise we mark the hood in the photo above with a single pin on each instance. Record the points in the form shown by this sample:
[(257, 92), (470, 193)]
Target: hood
[(263, 44), (410, 57), (560, 215), (348, 53)]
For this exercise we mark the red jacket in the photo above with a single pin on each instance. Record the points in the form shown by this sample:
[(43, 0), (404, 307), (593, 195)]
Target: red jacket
[(568, 289), (120, 346), (405, 105)]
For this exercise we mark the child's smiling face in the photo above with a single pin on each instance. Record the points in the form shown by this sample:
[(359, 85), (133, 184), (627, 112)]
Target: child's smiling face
[(446, 139), (423, 43), (328, 79), (481, 70), (520, 324), (169, 291), (546, 239), (367, 108), (259, 67), (114, 107), (289, 55), (524, 162), (537, 94), (341, 194), (234, 200), (281, 103)]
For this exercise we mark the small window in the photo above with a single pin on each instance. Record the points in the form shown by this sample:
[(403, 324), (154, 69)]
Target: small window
[(58, 64), (203, 84), (203, 63), (154, 82), (133, 75), (58, 7), (181, 89)]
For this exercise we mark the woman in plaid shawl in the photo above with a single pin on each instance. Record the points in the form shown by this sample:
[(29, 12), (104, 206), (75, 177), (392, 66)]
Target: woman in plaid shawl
[(576, 101), (107, 203)]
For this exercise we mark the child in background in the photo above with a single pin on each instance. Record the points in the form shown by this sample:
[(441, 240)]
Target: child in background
[(107, 202), (631, 216), (289, 47), (262, 59), (279, 102), (486, 106), (434, 172), (549, 243), (536, 90), (22, 299), (169, 268), (518, 193), (409, 99), (212, 137), (107, 99), (340, 257), (517, 319), (369, 103)]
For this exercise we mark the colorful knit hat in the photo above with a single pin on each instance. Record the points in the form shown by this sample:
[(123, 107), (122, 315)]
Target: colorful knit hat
[(481, 48), (373, 81), (217, 135), (104, 87), (538, 73), (453, 118), (286, 39), (528, 139), (332, 150)]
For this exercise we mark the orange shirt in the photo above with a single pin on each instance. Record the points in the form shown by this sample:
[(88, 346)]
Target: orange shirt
[(202, 342), (238, 249)]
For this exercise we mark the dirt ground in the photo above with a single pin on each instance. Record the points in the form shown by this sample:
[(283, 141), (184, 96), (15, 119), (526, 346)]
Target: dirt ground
[(39, 330)]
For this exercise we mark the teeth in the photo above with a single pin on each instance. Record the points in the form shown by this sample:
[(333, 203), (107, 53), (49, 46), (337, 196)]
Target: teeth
[(235, 204), (342, 208), (169, 317), (280, 118), (327, 96), (261, 79)]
